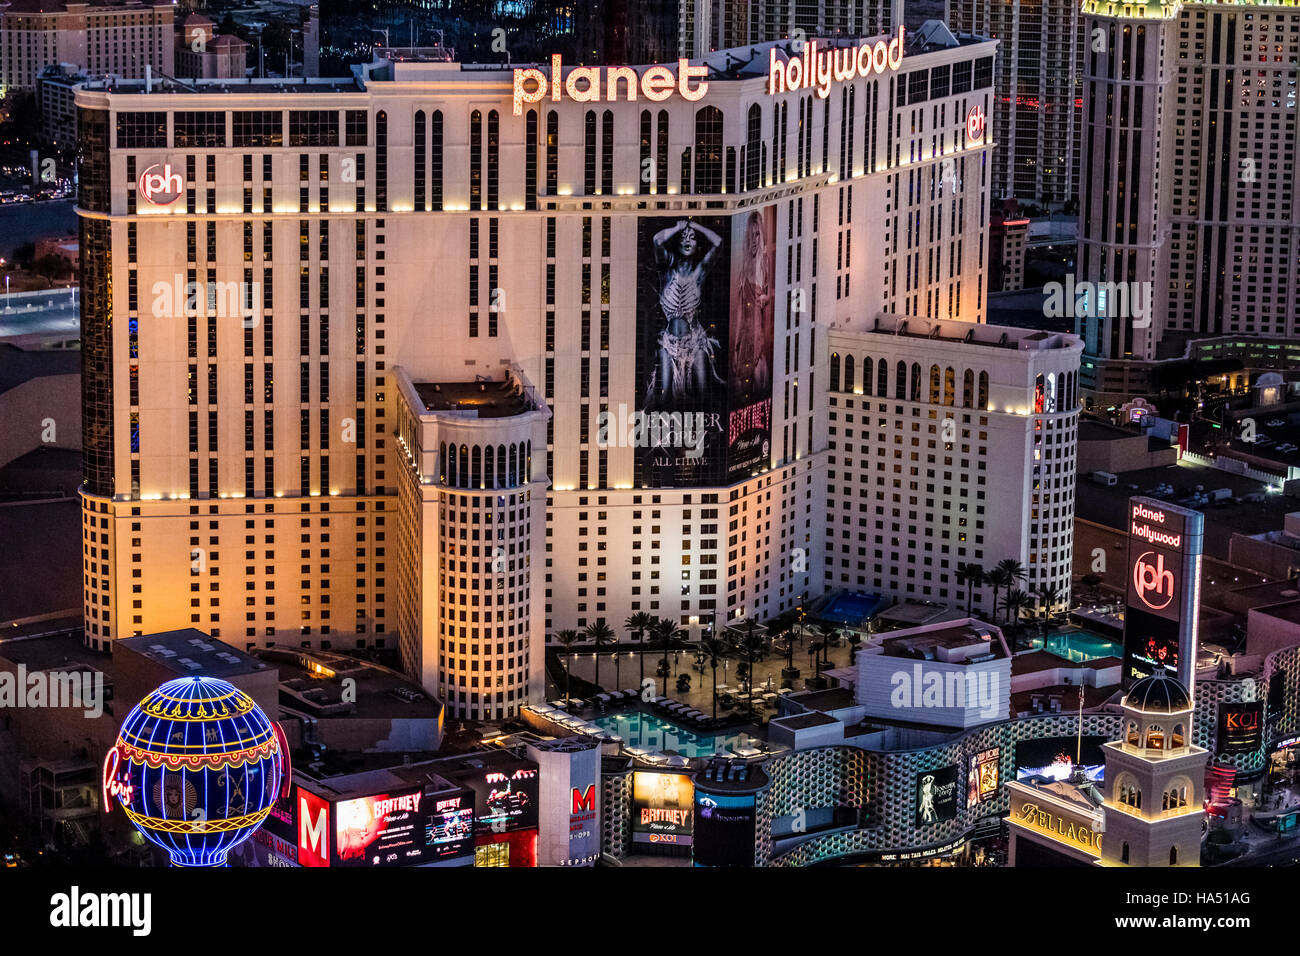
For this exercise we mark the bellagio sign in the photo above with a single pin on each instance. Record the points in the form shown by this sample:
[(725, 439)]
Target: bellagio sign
[(810, 69)]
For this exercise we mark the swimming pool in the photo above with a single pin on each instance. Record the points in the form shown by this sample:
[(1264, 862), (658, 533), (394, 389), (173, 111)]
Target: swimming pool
[(651, 733), (1079, 646), (849, 609)]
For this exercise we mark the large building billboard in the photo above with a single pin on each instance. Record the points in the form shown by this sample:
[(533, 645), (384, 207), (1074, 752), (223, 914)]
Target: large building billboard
[(662, 808), (1163, 589), (936, 795), (724, 829), (504, 800), (386, 829), (568, 829), (706, 294), (753, 328)]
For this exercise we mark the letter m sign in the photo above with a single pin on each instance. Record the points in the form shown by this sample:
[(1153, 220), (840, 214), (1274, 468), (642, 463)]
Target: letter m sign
[(584, 802)]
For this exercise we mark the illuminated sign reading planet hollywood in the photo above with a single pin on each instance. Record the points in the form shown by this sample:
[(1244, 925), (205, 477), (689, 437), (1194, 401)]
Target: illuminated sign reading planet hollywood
[(810, 69), (584, 83), (817, 69)]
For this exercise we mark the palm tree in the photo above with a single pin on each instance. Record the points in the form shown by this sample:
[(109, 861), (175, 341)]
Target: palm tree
[(639, 623), (602, 634), (1016, 602), (997, 578), (971, 575), (749, 642), (566, 639), (667, 633), (714, 648), (1049, 595), (1014, 570)]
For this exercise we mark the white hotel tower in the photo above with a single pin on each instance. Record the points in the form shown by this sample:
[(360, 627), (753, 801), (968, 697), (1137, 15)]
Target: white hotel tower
[(378, 421)]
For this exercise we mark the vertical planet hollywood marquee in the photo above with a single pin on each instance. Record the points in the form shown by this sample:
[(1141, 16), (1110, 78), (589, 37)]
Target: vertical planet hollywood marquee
[(1163, 589), (809, 68)]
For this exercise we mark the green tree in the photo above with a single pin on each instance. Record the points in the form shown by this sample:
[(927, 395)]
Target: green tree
[(714, 650), (971, 575), (1011, 571), (639, 623), (600, 634), (566, 639)]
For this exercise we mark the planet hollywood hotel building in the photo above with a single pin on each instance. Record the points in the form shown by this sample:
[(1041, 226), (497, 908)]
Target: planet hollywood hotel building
[(340, 335)]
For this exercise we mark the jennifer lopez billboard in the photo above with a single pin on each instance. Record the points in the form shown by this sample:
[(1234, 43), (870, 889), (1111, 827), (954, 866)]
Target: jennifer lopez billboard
[(705, 321)]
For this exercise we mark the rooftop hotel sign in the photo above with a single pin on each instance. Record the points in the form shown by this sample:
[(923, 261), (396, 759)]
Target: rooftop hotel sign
[(812, 68)]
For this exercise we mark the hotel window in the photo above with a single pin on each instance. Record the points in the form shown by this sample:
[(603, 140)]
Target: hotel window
[(142, 130), (354, 127), (435, 160), (420, 200), (493, 159), (552, 152), (381, 161), (530, 160), (199, 129), (589, 153), (753, 147), (661, 154), (708, 150), (476, 160), (313, 128)]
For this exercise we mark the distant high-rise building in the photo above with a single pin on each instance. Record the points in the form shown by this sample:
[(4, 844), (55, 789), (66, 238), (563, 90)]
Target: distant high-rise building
[(1188, 201), (1036, 111), (707, 25), (102, 38)]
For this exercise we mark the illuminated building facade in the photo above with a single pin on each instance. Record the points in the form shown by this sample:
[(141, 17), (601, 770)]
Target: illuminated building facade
[(949, 445), (1187, 151), (278, 281), (120, 38)]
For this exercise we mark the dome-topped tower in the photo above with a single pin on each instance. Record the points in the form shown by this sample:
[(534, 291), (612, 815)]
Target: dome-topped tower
[(1155, 779)]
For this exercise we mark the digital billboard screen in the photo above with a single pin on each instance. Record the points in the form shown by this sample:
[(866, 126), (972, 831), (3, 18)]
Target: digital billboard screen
[(724, 829), (1149, 642), (1053, 757), (983, 776), (504, 800), (449, 827), (936, 795), (1241, 729), (662, 808), (386, 829)]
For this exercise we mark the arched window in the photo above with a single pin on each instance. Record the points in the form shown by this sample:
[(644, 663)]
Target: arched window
[(502, 476), (835, 371), (420, 160), (489, 468), (753, 146), (476, 471), (967, 388), (450, 478), (462, 479), (1155, 737), (661, 153), (1173, 856), (848, 373), (1179, 738), (984, 390), (588, 154), (1131, 734), (708, 150), (514, 465), (442, 463), (915, 393), (868, 375), (435, 159), (1123, 853), (882, 378), (552, 152), (900, 380), (646, 167), (476, 160), (493, 160), (934, 385), (949, 387), (606, 152)]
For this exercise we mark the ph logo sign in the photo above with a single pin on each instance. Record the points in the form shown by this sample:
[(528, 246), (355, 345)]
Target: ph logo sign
[(161, 185), (1152, 581), (975, 122)]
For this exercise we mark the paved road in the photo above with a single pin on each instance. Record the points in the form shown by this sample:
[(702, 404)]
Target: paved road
[(51, 311)]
